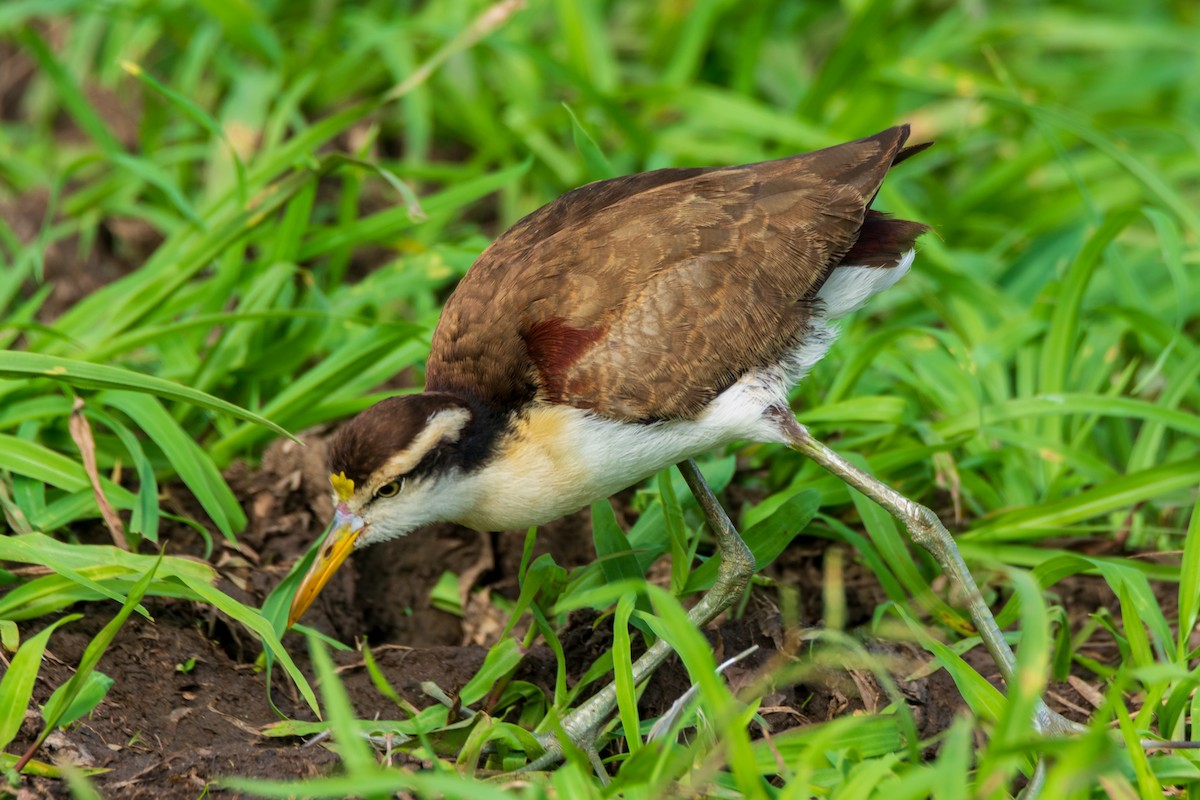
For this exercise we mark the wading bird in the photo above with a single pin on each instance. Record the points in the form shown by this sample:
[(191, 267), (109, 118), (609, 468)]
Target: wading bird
[(629, 325)]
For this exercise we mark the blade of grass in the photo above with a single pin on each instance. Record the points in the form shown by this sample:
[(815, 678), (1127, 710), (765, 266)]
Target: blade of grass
[(354, 752), (1060, 342), (260, 625), (766, 540), (82, 700), (612, 547), (144, 521), (984, 699), (673, 625), (68, 91), (1121, 492), (501, 660), (57, 707), (598, 166), (681, 552), (191, 463), (16, 686), (43, 464), (197, 113), (84, 375), (1189, 581), (995, 415), (627, 695)]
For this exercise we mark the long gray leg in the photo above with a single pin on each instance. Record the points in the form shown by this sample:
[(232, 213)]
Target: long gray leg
[(583, 724), (927, 531)]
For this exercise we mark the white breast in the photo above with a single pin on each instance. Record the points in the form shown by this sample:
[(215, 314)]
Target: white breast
[(560, 459)]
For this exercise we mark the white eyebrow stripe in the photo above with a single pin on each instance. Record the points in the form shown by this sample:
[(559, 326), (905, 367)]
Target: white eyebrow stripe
[(445, 425)]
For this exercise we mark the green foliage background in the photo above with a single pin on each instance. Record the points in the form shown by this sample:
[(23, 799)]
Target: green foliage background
[(1036, 377)]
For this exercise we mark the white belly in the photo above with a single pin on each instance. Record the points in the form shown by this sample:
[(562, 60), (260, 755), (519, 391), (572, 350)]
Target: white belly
[(561, 459)]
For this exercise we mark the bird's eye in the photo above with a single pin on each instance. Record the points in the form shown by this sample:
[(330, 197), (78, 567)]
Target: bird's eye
[(388, 489)]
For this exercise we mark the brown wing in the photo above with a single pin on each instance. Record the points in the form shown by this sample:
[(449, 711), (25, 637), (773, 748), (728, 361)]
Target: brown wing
[(644, 297)]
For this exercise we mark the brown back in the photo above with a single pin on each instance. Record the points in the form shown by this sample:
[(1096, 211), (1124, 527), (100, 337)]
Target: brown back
[(643, 297)]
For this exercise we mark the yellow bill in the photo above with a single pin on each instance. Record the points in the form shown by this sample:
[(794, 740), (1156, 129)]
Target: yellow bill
[(338, 546)]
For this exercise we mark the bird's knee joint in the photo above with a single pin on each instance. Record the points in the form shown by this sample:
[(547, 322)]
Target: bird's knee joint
[(794, 434), (745, 565), (925, 525), (739, 568)]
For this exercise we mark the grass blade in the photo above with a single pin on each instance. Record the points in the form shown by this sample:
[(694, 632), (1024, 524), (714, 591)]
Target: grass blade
[(191, 462), (766, 540), (84, 375), (1122, 492), (1059, 344), (82, 700), (1189, 581), (616, 556), (16, 687), (623, 673), (355, 753), (55, 710), (681, 553)]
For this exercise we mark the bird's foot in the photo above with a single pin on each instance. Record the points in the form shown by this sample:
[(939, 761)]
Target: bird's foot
[(1050, 723), (581, 730)]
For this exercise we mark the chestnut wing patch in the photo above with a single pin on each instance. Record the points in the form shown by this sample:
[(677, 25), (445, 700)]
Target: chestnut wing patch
[(554, 346)]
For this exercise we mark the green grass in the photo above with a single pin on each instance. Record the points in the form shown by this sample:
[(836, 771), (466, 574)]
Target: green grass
[(1037, 375)]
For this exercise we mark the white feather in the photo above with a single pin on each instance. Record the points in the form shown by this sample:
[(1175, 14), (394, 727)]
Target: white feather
[(564, 458), (849, 288)]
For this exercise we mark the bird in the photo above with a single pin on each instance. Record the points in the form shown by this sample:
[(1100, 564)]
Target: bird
[(630, 325)]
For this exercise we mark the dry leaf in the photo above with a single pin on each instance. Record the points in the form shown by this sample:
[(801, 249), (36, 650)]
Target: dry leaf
[(81, 432)]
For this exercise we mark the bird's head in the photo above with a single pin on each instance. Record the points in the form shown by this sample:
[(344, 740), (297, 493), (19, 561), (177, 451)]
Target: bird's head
[(393, 469)]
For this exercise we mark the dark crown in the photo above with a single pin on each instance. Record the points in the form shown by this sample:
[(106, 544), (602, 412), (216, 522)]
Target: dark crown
[(366, 442)]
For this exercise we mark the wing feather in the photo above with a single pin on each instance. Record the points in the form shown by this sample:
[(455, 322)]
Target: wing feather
[(644, 297)]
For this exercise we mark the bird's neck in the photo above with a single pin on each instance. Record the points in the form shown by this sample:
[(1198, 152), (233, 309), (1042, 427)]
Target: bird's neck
[(480, 440), (536, 471)]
